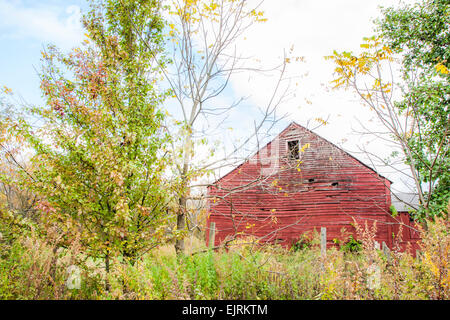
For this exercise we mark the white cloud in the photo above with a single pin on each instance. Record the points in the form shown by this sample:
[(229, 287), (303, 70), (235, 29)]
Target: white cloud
[(42, 22)]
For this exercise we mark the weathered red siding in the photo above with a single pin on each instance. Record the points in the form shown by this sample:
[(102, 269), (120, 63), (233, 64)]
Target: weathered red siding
[(409, 236), (269, 196)]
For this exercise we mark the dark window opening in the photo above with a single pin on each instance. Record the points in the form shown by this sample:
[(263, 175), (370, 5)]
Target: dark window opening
[(334, 184), (294, 149), (311, 180)]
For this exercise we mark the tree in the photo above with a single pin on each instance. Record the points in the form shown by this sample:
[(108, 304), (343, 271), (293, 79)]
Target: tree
[(418, 38), (18, 201), (421, 34), (97, 166), (204, 35)]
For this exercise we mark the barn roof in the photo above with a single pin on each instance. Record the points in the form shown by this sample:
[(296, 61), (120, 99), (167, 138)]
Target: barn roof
[(293, 123), (403, 201)]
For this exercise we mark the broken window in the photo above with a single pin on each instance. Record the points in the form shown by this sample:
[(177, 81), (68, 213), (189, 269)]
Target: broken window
[(294, 149)]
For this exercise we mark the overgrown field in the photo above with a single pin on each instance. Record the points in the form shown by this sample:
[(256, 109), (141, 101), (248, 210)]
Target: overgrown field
[(31, 268)]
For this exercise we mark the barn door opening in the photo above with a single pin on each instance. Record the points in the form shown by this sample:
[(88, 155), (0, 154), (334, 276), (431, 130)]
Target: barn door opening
[(294, 149)]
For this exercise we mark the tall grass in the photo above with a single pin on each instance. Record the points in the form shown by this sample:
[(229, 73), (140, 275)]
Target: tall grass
[(34, 268)]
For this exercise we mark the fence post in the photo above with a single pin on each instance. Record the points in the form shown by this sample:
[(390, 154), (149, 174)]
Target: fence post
[(323, 241), (376, 245), (212, 234), (373, 276), (386, 251)]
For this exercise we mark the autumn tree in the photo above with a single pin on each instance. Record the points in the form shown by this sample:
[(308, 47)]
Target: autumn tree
[(20, 202), (96, 146), (412, 106), (420, 34)]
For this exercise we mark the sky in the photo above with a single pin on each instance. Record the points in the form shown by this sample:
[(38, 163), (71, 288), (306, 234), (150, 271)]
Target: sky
[(312, 28), (26, 27)]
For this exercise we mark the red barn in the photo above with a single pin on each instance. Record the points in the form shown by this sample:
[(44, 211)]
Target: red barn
[(296, 183), (403, 203)]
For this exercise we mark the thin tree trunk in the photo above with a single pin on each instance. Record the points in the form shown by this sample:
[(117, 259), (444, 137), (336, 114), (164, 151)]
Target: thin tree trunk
[(181, 223), (182, 201), (181, 214), (107, 267)]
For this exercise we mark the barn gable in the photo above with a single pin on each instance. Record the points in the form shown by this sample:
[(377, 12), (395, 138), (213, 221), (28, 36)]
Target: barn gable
[(296, 183), (291, 133)]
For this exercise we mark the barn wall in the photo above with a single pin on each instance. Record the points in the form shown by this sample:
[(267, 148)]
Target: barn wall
[(406, 232), (278, 199)]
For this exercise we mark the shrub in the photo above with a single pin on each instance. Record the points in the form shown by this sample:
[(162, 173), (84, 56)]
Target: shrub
[(352, 245)]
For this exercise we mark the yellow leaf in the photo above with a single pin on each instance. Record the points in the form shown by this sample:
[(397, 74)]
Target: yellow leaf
[(441, 68), (306, 146), (7, 90)]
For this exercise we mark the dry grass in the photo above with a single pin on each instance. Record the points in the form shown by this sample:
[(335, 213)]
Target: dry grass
[(37, 269)]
